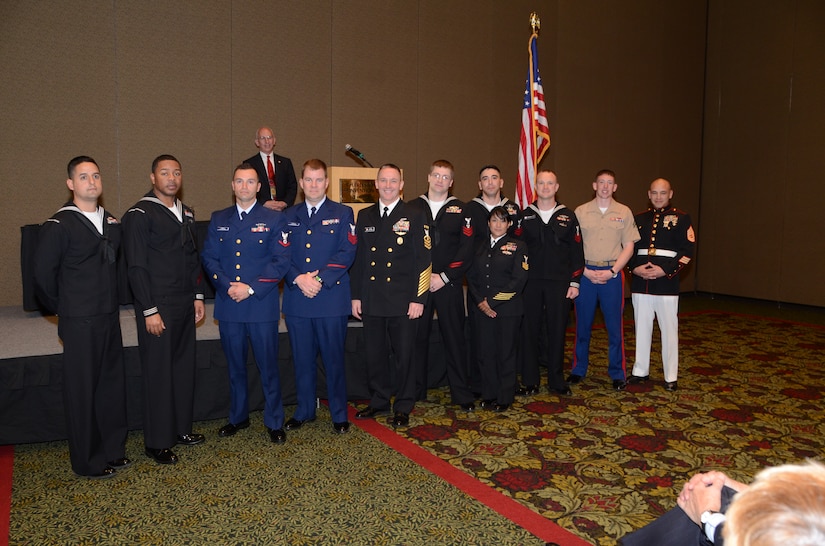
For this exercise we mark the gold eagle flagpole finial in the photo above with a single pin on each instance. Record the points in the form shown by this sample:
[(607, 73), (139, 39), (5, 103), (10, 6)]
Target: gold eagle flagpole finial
[(535, 22)]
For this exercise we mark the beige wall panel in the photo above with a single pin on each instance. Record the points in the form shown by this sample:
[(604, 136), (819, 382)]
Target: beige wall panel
[(281, 65), (629, 96), (374, 84), (174, 97), (746, 149), (57, 101), (803, 244)]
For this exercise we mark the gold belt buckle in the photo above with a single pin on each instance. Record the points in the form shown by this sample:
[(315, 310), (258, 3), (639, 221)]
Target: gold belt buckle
[(651, 252)]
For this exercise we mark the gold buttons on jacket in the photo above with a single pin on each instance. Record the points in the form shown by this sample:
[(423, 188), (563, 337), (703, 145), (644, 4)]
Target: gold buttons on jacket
[(309, 245), (237, 254), (237, 266), (309, 232), (237, 241), (389, 264), (309, 259)]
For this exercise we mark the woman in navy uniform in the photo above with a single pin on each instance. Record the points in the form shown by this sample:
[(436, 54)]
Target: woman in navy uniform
[(496, 279)]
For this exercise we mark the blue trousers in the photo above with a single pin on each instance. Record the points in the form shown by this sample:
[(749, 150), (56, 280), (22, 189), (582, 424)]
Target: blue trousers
[(610, 298), (308, 337), (235, 340)]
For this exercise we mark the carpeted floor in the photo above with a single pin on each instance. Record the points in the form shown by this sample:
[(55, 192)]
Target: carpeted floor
[(599, 464)]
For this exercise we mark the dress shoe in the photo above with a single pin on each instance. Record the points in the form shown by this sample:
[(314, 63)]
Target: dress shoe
[(498, 408), (488, 404), (107, 472), (191, 439), (295, 424), (636, 379), (341, 428), (120, 463), (229, 429), (162, 456), (469, 406), (671, 386), (619, 384), (573, 378), (278, 436), (400, 419), (370, 412), (563, 391), (527, 390)]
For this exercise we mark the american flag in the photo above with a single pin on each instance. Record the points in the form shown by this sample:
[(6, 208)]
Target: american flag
[(535, 134)]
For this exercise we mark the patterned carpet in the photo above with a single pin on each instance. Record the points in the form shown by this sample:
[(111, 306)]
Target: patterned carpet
[(599, 464), (603, 463)]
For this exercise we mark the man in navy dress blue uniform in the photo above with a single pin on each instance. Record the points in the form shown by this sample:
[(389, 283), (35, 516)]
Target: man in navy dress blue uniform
[(246, 254), (317, 294), (390, 285)]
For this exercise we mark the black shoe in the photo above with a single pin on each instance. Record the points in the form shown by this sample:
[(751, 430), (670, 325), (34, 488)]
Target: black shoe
[(527, 390), (295, 424), (191, 439), (107, 472), (341, 428), (573, 378), (370, 412), (498, 408), (488, 404), (278, 436), (671, 386), (400, 419), (619, 384), (229, 429), (162, 456), (469, 406), (636, 380), (562, 392), (120, 463)]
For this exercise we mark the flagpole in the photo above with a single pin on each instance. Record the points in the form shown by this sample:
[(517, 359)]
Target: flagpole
[(535, 24)]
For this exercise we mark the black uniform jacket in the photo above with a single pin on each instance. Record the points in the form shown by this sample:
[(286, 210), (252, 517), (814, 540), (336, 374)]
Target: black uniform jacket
[(555, 248), (161, 253), (499, 274), (452, 234), (668, 241), (75, 266), (392, 263)]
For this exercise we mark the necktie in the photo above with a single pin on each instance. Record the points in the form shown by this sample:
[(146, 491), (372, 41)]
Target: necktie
[(312, 212), (243, 216), (386, 212), (270, 173)]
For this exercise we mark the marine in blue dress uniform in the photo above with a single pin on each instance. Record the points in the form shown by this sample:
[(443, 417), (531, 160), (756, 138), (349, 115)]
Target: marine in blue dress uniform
[(317, 294), (245, 255)]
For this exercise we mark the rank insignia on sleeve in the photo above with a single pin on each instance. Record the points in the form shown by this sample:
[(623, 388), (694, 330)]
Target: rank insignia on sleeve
[(691, 235), (524, 264), (467, 230), (284, 238), (428, 243), (351, 236)]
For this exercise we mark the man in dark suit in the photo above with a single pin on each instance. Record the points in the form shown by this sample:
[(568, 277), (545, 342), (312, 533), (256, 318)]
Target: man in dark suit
[(317, 294), (246, 253), (390, 284), (76, 274), (275, 172)]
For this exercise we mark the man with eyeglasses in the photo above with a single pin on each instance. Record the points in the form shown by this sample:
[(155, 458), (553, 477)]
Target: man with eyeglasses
[(452, 237), (278, 183)]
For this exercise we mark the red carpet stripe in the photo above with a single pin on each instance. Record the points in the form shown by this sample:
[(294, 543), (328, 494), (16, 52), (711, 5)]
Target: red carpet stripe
[(6, 471), (504, 505)]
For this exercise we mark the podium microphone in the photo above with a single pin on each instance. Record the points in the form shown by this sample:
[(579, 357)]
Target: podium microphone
[(357, 154)]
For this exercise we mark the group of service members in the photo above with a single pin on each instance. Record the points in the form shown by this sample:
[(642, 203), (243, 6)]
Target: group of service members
[(397, 266)]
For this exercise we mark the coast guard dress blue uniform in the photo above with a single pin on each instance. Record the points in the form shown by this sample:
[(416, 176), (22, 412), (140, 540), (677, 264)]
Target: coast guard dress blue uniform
[(254, 251), (325, 242)]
